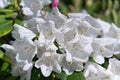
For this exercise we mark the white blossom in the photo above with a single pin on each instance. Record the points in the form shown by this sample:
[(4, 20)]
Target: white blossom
[(19, 68), (58, 18), (70, 67), (10, 52), (90, 28), (80, 49), (22, 69), (34, 6), (96, 72), (25, 49), (20, 32), (114, 66), (4, 3), (31, 24), (102, 47), (48, 62), (46, 29)]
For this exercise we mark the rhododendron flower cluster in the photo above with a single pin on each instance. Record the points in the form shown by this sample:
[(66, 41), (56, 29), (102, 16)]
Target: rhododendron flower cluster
[(63, 43)]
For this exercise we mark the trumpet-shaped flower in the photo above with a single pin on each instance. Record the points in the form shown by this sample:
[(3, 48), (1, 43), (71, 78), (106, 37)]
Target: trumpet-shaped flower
[(34, 7), (25, 49), (48, 62), (103, 47), (20, 32), (19, 68), (80, 49), (96, 72), (58, 18), (22, 69), (46, 29), (114, 66), (31, 24)]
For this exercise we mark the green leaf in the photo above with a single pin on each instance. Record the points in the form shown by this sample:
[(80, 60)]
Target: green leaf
[(5, 10), (1, 54), (10, 78), (76, 76), (11, 1), (4, 66), (35, 75), (7, 15), (19, 21), (117, 56), (5, 27), (61, 76)]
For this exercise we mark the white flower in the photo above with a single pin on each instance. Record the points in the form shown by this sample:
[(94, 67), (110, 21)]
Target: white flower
[(34, 6), (70, 67), (4, 3), (10, 52), (114, 32), (46, 29), (22, 69), (80, 49), (85, 17), (31, 24), (97, 72), (58, 18), (20, 32), (67, 36), (25, 49), (103, 47), (84, 27), (105, 27), (48, 62), (19, 68), (27, 11), (114, 66)]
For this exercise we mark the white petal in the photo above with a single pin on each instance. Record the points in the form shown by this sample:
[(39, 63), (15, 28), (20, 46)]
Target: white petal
[(68, 57), (99, 59), (26, 49), (104, 26), (27, 66), (46, 71), (27, 11), (4, 3), (20, 32), (10, 51)]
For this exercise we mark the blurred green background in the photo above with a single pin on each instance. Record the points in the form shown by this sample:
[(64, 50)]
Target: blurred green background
[(108, 10)]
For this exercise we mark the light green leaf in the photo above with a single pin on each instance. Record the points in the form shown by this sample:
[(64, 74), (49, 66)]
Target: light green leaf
[(7, 15), (4, 66), (11, 1), (5, 10), (5, 27), (1, 54)]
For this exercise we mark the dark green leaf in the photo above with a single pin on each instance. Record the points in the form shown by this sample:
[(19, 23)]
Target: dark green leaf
[(76, 76), (61, 76)]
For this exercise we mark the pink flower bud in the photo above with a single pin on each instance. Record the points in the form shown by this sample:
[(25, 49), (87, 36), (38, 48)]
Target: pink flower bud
[(55, 4)]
